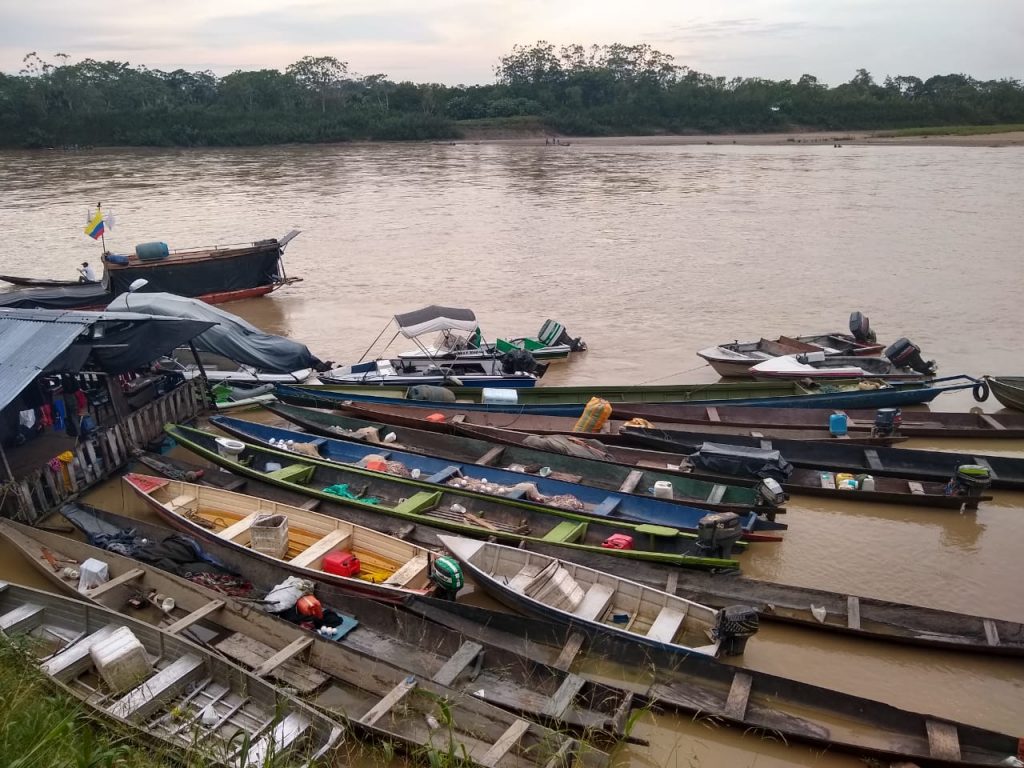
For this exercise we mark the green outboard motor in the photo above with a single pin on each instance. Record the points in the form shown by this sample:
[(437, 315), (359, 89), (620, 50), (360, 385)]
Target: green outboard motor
[(736, 624), (447, 574), (970, 481)]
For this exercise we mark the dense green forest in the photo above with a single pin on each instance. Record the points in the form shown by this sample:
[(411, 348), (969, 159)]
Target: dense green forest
[(575, 90)]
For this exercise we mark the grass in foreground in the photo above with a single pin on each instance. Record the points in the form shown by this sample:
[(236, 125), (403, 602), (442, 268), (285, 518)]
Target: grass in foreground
[(950, 130)]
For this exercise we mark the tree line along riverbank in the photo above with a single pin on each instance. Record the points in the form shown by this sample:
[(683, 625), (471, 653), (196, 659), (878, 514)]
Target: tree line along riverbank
[(539, 89)]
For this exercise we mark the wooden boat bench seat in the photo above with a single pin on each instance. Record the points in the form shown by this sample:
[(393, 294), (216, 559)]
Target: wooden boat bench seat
[(22, 618), (607, 507), (184, 501), (444, 475), (716, 495), (336, 539), (72, 660), (594, 603), (236, 530), (293, 473), (412, 570), (666, 624), (657, 530), (162, 686), (566, 532), (632, 480), (280, 740), (418, 503)]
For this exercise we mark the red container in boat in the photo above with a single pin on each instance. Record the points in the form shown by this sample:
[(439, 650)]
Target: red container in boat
[(341, 564), (436, 418), (618, 541)]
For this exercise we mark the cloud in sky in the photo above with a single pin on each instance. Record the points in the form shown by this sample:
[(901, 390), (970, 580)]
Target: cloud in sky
[(459, 41)]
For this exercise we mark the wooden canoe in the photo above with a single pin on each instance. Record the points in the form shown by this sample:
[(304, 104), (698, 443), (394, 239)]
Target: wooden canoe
[(1006, 472), (648, 401), (888, 490), (491, 480), (457, 511), (600, 474), (863, 617), (1008, 390), (42, 282), (594, 601), (563, 425), (191, 699), (695, 684), (308, 662), (759, 702), (389, 568)]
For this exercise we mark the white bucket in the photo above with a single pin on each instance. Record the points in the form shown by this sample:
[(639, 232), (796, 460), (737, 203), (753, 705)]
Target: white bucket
[(663, 489), (229, 448)]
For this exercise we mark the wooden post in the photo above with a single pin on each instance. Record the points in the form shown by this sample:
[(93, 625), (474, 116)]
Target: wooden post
[(202, 371)]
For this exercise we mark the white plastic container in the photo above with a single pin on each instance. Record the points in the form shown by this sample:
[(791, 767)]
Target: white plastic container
[(868, 483), (499, 396), (269, 535), (121, 660), (663, 490), (92, 573)]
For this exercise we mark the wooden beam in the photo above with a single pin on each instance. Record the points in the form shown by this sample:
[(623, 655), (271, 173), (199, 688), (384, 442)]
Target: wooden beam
[(294, 648), (631, 481), (492, 456), (196, 615), (872, 458), (739, 695), (117, 581), (461, 659), (396, 694), (564, 696), (943, 740), (853, 612), (991, 632), (569, 651), (507, 740), (713, 416), (991, 422)]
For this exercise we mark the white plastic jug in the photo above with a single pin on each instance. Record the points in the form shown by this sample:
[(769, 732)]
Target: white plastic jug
[(663, 489)]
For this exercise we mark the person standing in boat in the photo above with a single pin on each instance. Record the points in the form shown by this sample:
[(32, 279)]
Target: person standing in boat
[(87, 273)]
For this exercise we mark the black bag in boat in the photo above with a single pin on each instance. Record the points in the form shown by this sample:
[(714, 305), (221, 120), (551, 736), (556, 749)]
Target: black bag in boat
[(738, 460)]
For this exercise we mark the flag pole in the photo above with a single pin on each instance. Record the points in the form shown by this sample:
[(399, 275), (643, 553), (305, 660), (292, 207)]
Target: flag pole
[(103, 237)]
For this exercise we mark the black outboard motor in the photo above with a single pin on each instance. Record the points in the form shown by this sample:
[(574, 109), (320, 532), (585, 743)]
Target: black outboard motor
[(736, 625), (717, 533), (769, 495), (887, 422), (517, 360), (970, 481), (905, 354), (860, 328)]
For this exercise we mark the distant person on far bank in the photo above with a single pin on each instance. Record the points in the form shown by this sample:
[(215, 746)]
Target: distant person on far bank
[(88, 274)]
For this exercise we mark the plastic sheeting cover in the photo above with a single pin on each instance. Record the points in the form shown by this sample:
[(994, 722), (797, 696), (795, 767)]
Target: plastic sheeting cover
[(738, 460), (231, 337)]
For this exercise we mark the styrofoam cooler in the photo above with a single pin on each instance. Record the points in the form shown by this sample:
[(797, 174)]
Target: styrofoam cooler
[(499, 396), (121, 660)]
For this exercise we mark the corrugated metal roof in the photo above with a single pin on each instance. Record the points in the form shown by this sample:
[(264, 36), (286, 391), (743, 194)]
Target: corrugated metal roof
[(28, 346)]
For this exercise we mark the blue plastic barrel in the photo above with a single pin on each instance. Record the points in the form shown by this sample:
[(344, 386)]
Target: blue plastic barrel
[(837, 424), (117, 258), (151, 251)]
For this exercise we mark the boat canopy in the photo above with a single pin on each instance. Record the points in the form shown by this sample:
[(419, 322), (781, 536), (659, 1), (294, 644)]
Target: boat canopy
[(230, 335), (434, 318)]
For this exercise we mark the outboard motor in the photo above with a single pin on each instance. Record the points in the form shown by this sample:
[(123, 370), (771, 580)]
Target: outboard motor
[(518, 360), (860, 328), (905, 354), (717, 533), (970, 481), (736, 624), (446, 573), (887, 422), (769, 494)]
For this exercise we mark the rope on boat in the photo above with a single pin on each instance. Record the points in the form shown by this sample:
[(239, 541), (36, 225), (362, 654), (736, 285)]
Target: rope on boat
[(677, 373)]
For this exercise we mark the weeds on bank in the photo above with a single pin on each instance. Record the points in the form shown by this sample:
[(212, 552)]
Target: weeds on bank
[(951, 130)]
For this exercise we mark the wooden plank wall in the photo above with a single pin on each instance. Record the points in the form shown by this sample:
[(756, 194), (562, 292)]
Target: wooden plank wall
[(106, 452)]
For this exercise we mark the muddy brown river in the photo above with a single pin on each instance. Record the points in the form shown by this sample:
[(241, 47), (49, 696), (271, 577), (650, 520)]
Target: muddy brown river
[(650, 253)]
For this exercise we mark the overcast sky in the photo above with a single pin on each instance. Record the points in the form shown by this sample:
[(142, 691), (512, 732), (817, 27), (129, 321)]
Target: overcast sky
[(459, 41)]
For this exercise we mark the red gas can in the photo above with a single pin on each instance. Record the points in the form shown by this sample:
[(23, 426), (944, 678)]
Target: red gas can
[(618, 541), (341, 564)]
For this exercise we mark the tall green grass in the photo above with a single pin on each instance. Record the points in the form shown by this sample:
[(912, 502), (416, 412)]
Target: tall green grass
[(951, 130)]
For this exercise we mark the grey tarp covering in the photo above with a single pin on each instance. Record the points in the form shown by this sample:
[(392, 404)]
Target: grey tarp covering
[(231, 336), (738, 460), (435, 318), (35, 341)]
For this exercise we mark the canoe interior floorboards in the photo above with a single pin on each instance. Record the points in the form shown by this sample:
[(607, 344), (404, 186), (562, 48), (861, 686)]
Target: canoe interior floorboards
[(251, 653)]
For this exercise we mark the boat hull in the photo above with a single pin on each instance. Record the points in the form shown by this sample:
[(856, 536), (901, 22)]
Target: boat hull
[(1008, 390)]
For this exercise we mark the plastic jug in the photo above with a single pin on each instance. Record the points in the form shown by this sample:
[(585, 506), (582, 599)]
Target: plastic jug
[(663, 489), (837, 424), (868, 483)]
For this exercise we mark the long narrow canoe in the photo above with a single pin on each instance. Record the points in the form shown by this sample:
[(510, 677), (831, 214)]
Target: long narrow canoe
[(1006, 472), (592, 600), (190, 699), (696, 684), (499, 482), (308, 662), (389, 568), (563, 425), (589, 471), (455, 510), (888, 490), (387, 634), (782, 422), (647, 402), (1008, 390), (864, 617)]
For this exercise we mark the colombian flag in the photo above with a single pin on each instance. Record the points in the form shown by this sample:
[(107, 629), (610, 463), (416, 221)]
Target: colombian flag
[(94, 228)]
